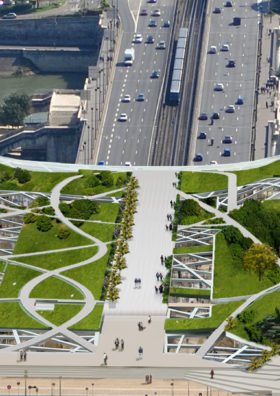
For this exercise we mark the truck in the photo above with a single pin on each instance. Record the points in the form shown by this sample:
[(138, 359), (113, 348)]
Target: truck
[(129, 56)]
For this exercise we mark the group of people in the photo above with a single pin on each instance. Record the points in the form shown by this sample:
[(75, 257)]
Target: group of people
[(159, 276), (159, 289), (137, 283), (22, 355), (119, 343)]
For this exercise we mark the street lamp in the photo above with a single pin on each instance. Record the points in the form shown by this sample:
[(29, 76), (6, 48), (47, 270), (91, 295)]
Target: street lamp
[(25, 382), (86, 389), (172, 388), (92, 127), (9, 388), (88, 143), (92, 385), (18, 384), (53, 385)]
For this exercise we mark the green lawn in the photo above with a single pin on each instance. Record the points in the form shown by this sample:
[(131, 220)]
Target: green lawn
[(273, 204), (219, 314), (40, 181), (195, 182), (216, 220), (91, 275), (18, 275), (262, 307), (13, 316), (2, 265), (81, 186), (108, 212), (31, 240), (231, 280), (92, 321), (192, 292), (53, 261), (53, 287), (250, 175), (61, 313), (103, 232), (192, 249)]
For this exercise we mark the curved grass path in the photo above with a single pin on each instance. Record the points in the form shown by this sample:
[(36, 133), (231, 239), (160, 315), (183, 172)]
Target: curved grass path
[(29, 303)]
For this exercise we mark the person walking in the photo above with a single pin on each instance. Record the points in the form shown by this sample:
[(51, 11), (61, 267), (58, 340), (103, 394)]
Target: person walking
[(161, 259), (117, 343), (139, 283), (122, 344), (160, 289), (135, 282), (212, 374), (156, 289), (157, 276), (105, 358), (140, 351), (149, 319), (160, 276), (166, 227)]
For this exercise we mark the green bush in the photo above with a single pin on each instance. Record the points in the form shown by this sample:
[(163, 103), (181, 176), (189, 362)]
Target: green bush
[(43, 223), (246, 316), (65, 208), (92, 181), (63, 232), (274, 275), (22, 175), (85, 208), (49, 211), (29, 218), (106, 178), (40, 201)]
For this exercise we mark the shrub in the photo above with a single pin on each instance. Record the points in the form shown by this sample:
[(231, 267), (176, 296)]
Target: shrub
[(92, 181), (43, 223), (22, 175), (65, 209), (63, 232), (49, 211), (29, 218), (40, 201), (246, 316), (84, 208), (106, 178)]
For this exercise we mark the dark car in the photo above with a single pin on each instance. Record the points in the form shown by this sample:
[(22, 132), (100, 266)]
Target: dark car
[(152, 23), (228, 4), (203, 116), (227, 139), (198, 157), (217, 10), (166, 24), (231, 63), (101, 163), (240, 101), (202, 135), (143, 12), (150, 40), (226, 153), (215, 116), (155, 74)]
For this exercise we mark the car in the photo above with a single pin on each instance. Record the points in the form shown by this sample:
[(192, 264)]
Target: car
[(123, 117), (166, 24), (150, 40), (226, 153), (152, 1), (152, 23), (126, 98), (227, 139), (140, 97), (231, 63), (155, 74), (198, 157), (228, 4), (144, 12), (127, 163), (202, 135), (230, 109), (10, 15), (203, 116), (213, 162), (101, 163), (219, 87), (240, 101), (215, 116), (138, 38), (217, 10), (156, 13), (161, 45), (213, 49), (225, 47)]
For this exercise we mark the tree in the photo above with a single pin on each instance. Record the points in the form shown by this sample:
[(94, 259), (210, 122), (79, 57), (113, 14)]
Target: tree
[(260, 258), (29, 218), (106, 178), (43, 223), (22, 175), (14, 109), (63, 232)]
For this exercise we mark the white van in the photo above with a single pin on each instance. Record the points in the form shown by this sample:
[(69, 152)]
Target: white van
[(213, 49)]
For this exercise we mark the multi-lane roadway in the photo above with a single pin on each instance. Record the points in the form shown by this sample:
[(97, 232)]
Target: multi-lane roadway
[(237, 81), (130, 141)]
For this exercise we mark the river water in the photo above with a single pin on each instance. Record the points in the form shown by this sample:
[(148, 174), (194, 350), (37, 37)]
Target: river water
[(40, 83)]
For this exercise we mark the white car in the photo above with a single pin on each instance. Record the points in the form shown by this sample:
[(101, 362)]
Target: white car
[(127, 163), (225, 47), (123, 117), (126, 98), (213, 49), (230, 109), (161, 45), (156, 13), (10, 15), (219, 87), (213, 162), (138, 38)]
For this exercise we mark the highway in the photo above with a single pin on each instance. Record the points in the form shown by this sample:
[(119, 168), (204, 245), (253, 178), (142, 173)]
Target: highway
[(237, 81), (131, 140)]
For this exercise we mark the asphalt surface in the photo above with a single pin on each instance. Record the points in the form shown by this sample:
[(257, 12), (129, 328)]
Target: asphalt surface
[(237, 81), (130, 140)]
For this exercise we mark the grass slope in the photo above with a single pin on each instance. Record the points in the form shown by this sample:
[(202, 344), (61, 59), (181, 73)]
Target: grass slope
[(192, 249), (18, 275), (13, 316), (230, 280), (53, 261), (108, 212), (92, 321), (219, 314), (195, 182), (31, 240), (53, 287), (91, 275), (61, 313), (189, 292), (273, 204), (250, 175), (103, 232)]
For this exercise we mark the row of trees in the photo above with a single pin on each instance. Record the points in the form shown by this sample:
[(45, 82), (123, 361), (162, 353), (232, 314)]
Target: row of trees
[(125, 234)]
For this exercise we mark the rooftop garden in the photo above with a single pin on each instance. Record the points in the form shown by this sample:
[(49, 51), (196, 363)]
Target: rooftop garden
[(197, 182), (251, 175)]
